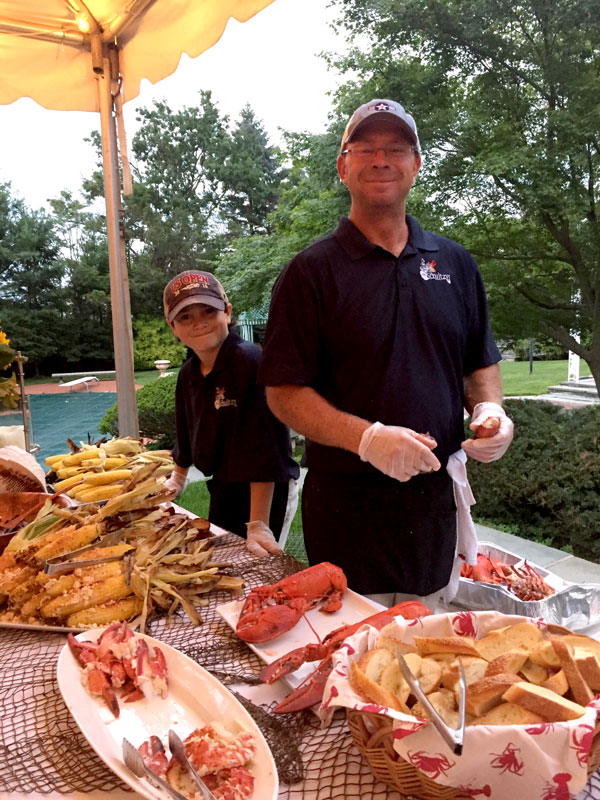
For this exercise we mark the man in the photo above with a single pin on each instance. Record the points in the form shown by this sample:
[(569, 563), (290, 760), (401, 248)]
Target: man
[(377, 339)]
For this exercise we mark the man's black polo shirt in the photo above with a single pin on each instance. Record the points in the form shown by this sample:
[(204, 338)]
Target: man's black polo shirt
[(387, 339), (224, 426)]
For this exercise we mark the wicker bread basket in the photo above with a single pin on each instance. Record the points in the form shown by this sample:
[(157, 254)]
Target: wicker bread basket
[(372, 735)]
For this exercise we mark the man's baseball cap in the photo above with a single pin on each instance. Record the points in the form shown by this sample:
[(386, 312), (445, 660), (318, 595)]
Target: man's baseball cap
[(192, 286), (381, 110)]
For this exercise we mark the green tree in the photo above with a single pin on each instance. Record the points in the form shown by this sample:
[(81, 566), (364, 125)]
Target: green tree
[(505, 96), (31, 279), (311, 202), (251, 177), (86, 309)]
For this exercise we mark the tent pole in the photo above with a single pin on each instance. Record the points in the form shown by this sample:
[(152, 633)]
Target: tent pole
[(119, 285)]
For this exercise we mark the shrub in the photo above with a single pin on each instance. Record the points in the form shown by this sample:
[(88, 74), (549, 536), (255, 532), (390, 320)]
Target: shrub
[(156, 411), (153, 340), (548, 482)]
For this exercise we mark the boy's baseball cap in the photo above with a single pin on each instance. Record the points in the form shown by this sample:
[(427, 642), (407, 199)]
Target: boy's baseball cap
[(192, 286), (381, 109)]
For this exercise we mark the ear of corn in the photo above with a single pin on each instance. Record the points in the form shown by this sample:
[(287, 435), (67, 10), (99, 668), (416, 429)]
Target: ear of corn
[(69, 472), (118, 461), (101, 478), (83, 455), (67, 482), (95, 493), (112, 588), (104, 614), (51, 460), (62, 541)]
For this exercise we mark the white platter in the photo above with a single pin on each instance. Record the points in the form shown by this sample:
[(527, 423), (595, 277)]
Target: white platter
[(195, 698), (354, 608)]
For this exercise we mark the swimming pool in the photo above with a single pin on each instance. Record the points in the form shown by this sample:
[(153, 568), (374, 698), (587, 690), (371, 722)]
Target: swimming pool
[(58, 416)]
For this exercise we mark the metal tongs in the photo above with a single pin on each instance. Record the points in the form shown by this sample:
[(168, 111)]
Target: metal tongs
[(66, 562), (134, 761), (177, 749), (454, 737)]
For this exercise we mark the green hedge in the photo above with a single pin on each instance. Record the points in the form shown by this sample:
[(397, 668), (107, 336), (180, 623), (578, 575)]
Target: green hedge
[(156, 411), (154, 340), (547, 485)]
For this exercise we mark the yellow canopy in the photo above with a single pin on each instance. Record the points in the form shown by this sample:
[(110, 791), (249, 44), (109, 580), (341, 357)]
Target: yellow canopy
[(45, 44), (90, 55)]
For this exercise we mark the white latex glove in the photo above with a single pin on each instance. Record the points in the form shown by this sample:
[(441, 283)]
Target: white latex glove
[(398, 452), (494, 447), (176, 481), (259, 539)]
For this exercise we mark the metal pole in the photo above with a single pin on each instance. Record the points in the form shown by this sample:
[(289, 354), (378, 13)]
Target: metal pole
[(30, 446), (530, 356), (119, 285)]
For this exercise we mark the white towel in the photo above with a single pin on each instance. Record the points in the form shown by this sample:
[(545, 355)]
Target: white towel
[(466, 535)]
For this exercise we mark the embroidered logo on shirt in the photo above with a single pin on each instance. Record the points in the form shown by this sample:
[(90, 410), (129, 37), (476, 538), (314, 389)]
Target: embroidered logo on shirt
[(429, 272), (220, 400)]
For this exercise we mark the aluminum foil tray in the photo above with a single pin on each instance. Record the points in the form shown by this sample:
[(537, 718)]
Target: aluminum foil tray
[(576, 606)]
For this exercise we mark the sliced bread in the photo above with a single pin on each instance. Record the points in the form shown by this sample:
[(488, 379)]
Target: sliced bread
[(463, 645), (522, 636), (487, 692), (542, 701), (508, 714)]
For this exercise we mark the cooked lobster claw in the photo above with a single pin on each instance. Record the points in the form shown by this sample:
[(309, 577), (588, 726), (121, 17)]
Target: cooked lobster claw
[(311, 690)]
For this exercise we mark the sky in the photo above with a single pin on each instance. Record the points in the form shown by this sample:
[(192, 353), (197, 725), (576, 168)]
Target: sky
[(270, 62)]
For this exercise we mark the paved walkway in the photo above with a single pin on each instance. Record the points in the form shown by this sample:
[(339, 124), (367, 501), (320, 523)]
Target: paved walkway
[(573, 569)]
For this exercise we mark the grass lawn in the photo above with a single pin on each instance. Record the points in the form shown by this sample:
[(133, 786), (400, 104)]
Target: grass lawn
[(515, 376), (195, 498), (516, 379)]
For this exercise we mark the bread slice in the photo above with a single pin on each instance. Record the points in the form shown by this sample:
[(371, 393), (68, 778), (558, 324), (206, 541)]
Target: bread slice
[(508, 662), (395, 646), (544, 702), (589, 666), (444, 704), (581, 692), (392, 680), (474, 671), (557, 683), (487, 693), (371, 692), (373, 662), (535, 673), (430, 675), (463, 645), (522, 636), (508, 714), (544, 655)]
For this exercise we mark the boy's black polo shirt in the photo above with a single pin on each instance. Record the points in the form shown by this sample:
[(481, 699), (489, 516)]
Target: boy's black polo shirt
[(387, 339), (224, 426)]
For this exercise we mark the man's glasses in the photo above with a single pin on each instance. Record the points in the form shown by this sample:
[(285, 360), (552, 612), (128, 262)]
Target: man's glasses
[(395, 152)]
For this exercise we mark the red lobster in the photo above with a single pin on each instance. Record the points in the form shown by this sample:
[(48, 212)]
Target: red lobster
[(270, 611), (311, 691), (525, 582)]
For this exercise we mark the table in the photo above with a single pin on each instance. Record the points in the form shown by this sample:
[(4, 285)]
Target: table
[(44, 755)]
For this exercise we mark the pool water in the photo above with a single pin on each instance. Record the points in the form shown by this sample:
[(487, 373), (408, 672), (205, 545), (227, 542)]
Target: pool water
[(58, 416)]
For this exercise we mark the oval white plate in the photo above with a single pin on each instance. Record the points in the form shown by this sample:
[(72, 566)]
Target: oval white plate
[(195, 698)]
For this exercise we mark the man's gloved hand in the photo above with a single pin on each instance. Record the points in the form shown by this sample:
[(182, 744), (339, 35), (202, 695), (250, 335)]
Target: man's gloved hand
[(398, 452), (259, 539), (176, 481), (494, 447)]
